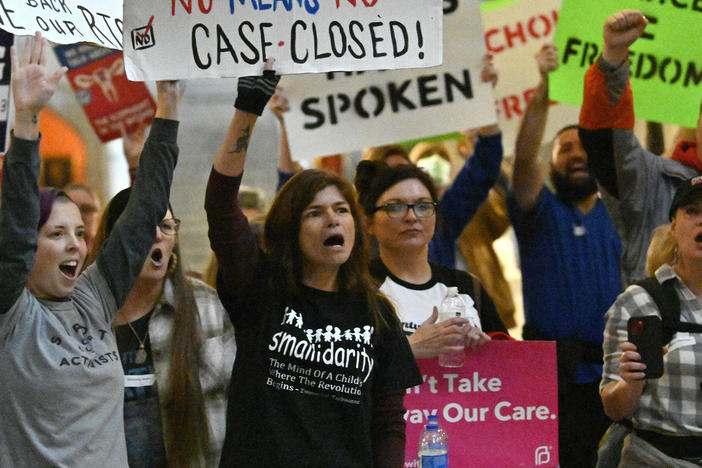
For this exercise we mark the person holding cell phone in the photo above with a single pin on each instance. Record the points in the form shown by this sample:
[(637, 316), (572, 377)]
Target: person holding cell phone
[(666, 410)]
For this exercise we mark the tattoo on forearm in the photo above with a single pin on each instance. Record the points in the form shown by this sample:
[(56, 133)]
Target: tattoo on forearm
[(35, 119), (242, 143)]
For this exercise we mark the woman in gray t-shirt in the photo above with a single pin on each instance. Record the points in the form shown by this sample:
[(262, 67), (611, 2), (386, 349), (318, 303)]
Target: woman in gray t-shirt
[(61, 381)]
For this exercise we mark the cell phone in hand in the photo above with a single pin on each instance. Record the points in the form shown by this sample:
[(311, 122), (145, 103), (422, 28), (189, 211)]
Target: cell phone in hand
[(647, 334)]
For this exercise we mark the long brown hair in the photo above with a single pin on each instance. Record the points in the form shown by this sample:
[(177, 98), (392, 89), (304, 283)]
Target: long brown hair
[(185, 420), (281, 240)]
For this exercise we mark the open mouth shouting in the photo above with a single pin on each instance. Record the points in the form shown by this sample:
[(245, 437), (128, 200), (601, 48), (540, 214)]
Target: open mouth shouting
[(335, 240), (157, 257), (69, 269)]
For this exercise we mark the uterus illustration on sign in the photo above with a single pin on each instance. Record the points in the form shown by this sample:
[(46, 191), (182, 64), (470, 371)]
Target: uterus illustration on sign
[(102, 77)]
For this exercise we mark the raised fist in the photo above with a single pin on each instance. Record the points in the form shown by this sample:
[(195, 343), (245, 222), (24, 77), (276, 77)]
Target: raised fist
[(620, 30)]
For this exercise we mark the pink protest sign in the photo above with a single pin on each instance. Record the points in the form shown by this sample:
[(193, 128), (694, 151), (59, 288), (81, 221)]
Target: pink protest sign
[(499, 410)]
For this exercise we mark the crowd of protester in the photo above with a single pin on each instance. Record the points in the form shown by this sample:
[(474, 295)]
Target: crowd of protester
[(113, 355)]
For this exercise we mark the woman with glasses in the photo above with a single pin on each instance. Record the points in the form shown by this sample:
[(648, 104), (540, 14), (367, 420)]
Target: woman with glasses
[(177, 348), (401, 208), (60, 375)]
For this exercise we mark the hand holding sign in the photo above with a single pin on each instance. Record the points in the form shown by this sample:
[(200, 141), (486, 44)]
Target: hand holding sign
[(169, 93), (547, 59), (620, 31), (32, 85), (279, 104), (254, 92), (488, 74), (475, 337)]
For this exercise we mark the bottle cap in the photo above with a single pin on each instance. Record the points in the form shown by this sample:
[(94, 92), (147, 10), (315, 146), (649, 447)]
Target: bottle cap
[(432, 422), (451, 290)]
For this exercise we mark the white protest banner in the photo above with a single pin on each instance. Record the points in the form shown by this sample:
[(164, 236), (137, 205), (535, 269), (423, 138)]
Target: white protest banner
[(514, 34), (190, 39), (65, 21), (342, 112)]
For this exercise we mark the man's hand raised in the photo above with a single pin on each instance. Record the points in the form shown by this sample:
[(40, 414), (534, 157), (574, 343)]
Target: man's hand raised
[(620, 30)]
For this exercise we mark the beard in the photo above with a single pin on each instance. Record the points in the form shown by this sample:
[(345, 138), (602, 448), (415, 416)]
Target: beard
[(573, 191)]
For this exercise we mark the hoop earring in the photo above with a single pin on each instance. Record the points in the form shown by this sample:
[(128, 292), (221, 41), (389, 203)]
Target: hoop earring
[(172, 263)]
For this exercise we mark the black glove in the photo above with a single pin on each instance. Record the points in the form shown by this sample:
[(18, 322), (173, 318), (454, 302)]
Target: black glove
[(253, 92)]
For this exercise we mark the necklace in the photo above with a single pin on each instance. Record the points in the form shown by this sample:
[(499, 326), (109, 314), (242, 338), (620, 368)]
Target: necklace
[(140, 357)]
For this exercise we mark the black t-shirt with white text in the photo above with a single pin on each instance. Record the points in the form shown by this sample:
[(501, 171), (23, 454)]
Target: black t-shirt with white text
[(304, 381)]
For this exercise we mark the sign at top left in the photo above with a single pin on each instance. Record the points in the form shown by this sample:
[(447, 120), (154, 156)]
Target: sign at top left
[(65, 21), (176, 39)]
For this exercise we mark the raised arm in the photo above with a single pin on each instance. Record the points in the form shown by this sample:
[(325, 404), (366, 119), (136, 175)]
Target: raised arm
[(608, 105), (470, 188), (132, 144), (253, 93), (620, 31), (122, 255), (528, 175), (230, 237), (286, 166), (32, 87)]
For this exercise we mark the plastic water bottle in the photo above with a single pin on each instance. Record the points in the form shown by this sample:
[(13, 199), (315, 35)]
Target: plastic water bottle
[(452, 306), (433, 445)]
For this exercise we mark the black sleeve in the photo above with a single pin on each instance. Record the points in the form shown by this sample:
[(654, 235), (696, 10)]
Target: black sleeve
[(19, 217), (599, 147), (232, 241), (388, 430), (396, 366), (122, 255)]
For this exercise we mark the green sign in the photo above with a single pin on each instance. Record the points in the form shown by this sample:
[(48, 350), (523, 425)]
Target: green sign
[(486, 6), (666, 64)]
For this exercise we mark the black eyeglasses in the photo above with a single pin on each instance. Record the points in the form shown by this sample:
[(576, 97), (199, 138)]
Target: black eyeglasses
[(169, 226), (398, 210)]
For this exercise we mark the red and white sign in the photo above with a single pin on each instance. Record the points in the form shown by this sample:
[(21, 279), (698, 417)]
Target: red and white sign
[(499, 410), (111, 102), (514, 34)]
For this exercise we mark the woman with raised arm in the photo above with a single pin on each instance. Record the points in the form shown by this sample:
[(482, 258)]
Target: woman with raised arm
[(60, 376), (322, 364), (177, 348)]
